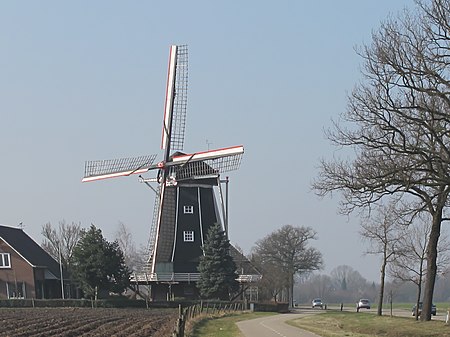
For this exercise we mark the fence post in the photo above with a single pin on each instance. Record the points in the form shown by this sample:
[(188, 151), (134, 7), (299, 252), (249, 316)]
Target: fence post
[(183, 321), (179, 329)]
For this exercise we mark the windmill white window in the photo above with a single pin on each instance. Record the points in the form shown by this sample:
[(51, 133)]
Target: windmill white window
[(188, 209), (188, 236), (5, 260)]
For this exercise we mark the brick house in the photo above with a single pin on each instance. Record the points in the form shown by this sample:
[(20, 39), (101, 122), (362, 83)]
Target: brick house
[(26, 270)]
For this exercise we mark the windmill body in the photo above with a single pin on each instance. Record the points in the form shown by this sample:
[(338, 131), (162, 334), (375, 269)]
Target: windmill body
[(186, 204), (188, 210)]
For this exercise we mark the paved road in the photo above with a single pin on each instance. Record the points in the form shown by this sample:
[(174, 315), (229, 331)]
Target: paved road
[(275, 326)]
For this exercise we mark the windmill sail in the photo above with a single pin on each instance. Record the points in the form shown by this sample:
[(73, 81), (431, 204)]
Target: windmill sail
[(176, 100), (111, 168), (201, 164)]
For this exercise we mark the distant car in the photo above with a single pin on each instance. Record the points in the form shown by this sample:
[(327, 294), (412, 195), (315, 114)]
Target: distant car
[(433, 309), (363, 303), (317, 302)]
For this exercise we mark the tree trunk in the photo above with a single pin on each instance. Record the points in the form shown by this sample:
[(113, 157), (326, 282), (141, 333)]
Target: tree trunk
[(291, 290), (431, 264), (380, 298), (419, 293)]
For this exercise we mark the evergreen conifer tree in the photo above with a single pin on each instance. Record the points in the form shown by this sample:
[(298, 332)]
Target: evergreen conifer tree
[(217, 268), (98, 265)]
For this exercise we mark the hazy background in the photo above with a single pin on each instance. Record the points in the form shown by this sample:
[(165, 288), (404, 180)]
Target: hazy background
[(85, 80)]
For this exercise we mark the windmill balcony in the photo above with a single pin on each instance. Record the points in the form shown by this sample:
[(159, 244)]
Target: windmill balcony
[(144, 278), (164, 277)]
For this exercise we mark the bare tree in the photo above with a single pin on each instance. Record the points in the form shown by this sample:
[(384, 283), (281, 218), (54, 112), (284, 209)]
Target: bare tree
[(287, 248), (340, 275), (382, 231), (321, 285), (409, 264), (133, 259), (271, 285), (398, 122), (348, 283), (60, 242)]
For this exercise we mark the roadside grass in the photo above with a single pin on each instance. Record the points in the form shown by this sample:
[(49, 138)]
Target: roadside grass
[(224, 326), (349, 324)]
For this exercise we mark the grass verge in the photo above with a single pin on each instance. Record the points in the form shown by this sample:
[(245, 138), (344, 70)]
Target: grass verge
[(349, 324)]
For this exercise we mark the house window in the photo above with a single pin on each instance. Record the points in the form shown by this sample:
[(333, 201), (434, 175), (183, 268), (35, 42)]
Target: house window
[(188, 236), (15, 289), (188, 209), (5, 260)]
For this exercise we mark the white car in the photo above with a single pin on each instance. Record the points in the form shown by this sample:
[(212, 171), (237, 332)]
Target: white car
[(363, 303), (317, 303)]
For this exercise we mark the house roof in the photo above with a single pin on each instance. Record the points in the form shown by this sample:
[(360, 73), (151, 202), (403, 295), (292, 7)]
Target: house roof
[(28, 249), (244, 266)]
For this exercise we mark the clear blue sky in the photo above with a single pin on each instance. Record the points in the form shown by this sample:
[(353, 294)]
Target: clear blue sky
[(85, 80)]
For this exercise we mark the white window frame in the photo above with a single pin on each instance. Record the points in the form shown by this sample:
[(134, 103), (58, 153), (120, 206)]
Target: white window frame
[(5, 260), (188, 209), (188, 236)]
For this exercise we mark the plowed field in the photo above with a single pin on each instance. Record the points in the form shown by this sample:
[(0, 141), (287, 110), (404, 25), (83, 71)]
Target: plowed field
[(40, 322)]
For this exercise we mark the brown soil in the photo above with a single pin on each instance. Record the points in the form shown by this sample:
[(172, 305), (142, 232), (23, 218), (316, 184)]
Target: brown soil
[(40, 322)]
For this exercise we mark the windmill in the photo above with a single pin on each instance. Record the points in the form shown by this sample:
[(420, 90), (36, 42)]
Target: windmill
[(186, 205)]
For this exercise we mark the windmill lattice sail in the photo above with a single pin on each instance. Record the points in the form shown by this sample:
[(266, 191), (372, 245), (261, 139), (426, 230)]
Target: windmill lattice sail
[(111, 168), (174, 123), (202, 164), (180, 100)]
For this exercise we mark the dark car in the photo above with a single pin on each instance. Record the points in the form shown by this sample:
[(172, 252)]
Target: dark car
[(363, 303), (433, 309)]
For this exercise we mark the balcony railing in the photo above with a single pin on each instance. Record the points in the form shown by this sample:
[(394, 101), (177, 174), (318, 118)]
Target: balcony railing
[(182, 277)]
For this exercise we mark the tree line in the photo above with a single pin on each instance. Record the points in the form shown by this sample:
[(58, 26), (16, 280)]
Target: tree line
[(346, 285), (99, 267), (285, 258)]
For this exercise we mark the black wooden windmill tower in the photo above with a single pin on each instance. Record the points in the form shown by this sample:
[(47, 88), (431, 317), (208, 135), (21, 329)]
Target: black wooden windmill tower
[(186, 205)]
